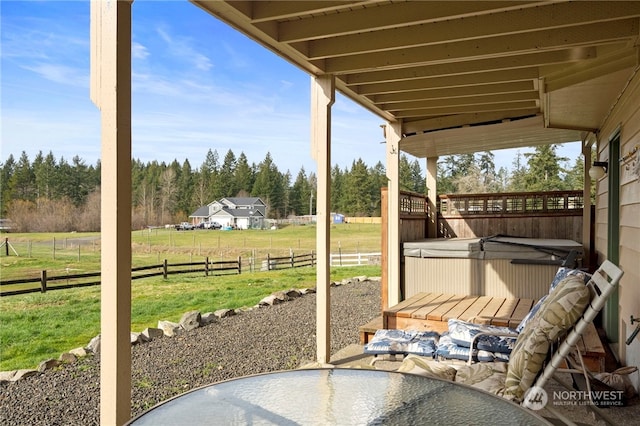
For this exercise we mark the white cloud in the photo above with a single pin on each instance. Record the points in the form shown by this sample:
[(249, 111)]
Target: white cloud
[(182, 49), (61, 74), (138, 51)]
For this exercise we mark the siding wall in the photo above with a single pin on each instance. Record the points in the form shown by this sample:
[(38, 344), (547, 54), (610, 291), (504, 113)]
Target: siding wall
[(626, 117)]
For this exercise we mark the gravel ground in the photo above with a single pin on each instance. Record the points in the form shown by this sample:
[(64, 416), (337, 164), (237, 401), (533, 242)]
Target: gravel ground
[(266, 339)]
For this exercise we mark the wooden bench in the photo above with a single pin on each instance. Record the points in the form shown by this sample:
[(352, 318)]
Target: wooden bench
[(431, 311)]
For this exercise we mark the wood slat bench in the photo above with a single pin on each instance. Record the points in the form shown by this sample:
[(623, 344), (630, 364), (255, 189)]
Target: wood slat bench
[(431, 311)]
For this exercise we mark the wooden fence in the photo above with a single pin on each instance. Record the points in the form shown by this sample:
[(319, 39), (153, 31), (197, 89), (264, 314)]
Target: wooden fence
[(59, 282), (291, 261)]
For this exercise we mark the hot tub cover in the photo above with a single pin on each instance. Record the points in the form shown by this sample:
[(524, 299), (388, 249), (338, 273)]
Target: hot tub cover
[(468, 248), (498, 247)]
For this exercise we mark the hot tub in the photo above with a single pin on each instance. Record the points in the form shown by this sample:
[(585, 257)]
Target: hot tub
[(493, 266)]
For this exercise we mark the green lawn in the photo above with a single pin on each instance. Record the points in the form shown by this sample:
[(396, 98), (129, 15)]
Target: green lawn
[(38, 326)]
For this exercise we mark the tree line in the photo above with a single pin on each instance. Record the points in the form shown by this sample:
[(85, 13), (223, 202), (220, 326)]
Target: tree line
[(53, 195)]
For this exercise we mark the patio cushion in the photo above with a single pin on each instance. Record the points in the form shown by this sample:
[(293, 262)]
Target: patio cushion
[(561, 274), (391, 341), (562, 308), (424, 366), (489, 377), (559, 311), (564, 272), (462, 333), (530, 314), (447, 349), (424, 343)]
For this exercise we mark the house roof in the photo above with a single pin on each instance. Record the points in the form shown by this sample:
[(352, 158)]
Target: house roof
[(460, 76), (201, 212), (244, 201), (239, 213)]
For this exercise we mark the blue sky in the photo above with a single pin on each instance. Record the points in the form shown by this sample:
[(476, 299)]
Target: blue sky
[(197, 85)]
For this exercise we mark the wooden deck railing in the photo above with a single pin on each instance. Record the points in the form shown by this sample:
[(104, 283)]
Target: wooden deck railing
[(512, 203), (552, 214)]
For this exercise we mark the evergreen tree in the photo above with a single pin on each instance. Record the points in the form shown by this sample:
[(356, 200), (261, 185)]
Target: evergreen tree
[(269, 186), (544, 172), (243, 175), (225, 185), (378, 181), (337, 185), (517, 182), (185, 189), (7, 170), (300, 195), (22, 183), (356, 195)]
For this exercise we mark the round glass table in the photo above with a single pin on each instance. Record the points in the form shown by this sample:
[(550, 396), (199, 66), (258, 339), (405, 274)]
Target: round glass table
[(336, 397)]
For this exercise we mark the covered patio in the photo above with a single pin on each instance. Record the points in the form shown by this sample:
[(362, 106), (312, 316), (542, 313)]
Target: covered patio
[(444, 78)]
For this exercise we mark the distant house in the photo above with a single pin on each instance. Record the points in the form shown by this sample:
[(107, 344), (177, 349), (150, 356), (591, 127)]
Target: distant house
[(234, 212)]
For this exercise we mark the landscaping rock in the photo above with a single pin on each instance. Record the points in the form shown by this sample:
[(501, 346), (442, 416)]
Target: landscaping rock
[(68, 358), (6, 376), (293, 293), (270, 301), (223, 313), (21, 374), (190, 320), (94, 345), (207, 318), (79, 352), (48, 365), (135, 338), (169, 328), (151, 333)]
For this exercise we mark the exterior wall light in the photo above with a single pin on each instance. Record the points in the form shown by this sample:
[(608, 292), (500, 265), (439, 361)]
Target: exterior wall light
[(598, 170)]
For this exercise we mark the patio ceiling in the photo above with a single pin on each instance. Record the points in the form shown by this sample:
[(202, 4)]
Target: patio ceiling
[(461, 76)]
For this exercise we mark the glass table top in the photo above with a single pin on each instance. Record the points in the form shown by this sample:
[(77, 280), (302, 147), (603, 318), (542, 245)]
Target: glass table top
[(336, 397)]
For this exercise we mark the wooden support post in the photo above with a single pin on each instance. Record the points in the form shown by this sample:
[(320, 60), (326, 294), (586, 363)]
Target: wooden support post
[(165, 269), (43, 281), (206, 266), (322, 98), (110, 88), (239, 265)]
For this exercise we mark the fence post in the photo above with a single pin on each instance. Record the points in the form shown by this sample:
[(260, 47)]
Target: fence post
[(292, 258), (239, 265), (206, 266), (268, 263), (164, 269), (43, 281)]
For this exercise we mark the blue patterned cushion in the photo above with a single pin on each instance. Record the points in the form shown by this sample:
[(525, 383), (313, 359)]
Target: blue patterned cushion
[(424, 343), (462, 333), (403, 342), (449, 350), (564, 272), (531, 313), (389, 342)]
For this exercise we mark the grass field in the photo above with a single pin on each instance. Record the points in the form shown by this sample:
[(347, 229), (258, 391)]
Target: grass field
[(38, 326), (80, 252)]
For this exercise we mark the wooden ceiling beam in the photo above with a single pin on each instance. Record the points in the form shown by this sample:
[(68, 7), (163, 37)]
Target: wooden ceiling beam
[(535, 19), (492, 47)]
